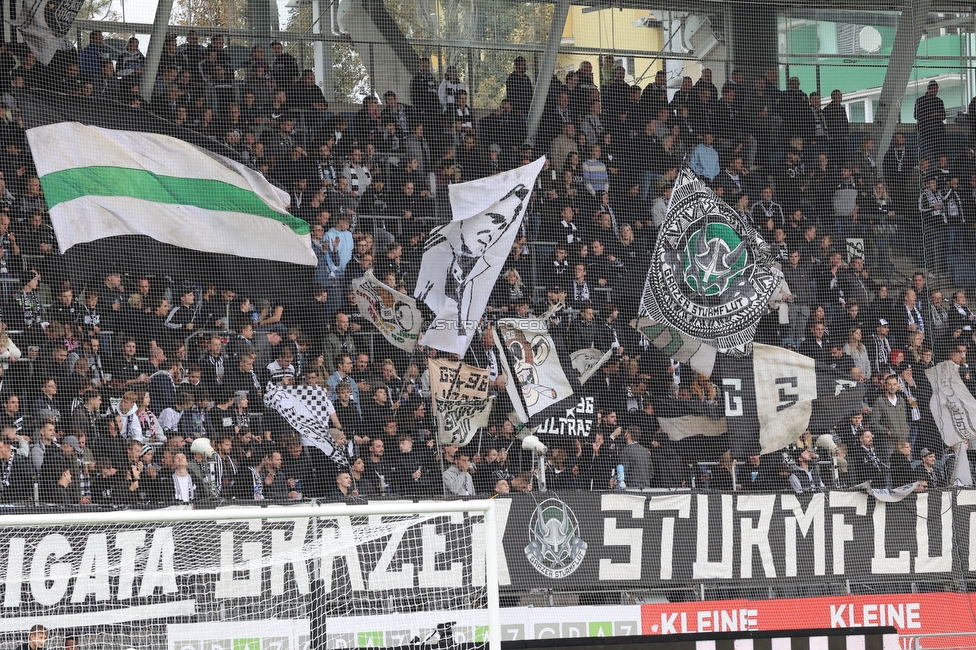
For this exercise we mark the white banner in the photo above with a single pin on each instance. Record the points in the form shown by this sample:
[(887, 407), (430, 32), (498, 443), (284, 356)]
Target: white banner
[(588, 360), (536, 379), (45, 23), (459, 420), (953, 406), (781, 373), (463, 259), (686, 426), (394, 314), (456, 380)]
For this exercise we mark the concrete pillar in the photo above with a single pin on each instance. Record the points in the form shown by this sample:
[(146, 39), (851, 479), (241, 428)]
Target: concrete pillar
[(322, 52), (899, 71), (155, 51), (546, 68), (260, 14)]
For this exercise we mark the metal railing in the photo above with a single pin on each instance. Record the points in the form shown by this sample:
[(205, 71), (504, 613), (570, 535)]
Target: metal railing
[(915, 640)]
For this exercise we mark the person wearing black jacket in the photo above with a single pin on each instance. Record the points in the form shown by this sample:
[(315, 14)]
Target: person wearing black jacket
[(607, 335), (16, 475), (312, 471), (379, 474), (285, 67), (108, 484), (240, 376), (902, 472), (764, 474), (865, 462), (415, 472), (597, 464), (423, 93)]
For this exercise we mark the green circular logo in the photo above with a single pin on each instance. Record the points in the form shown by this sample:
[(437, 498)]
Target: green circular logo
[(714, 257)]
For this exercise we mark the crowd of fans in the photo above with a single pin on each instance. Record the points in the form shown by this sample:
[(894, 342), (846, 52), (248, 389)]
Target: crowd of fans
[(105, 386)]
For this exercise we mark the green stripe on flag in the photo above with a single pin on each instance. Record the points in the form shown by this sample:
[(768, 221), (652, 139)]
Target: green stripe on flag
[(207, 194)]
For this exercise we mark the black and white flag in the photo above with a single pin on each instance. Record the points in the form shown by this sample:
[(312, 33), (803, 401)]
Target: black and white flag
[(773, 395), (459, 420), (463, 259), (395, 315), (314, 430), (44, 24), (954, 410), (710, 275), (768, 399), (678, 346), (588, 360), (528, 358), (682, 419), (952, 405)]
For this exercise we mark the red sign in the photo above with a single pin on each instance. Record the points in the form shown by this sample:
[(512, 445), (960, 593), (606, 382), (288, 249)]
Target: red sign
[(933, 613)]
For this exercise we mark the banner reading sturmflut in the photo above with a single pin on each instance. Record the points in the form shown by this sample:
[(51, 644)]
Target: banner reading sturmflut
[(710, 275), (463, 259), (102, 183), (394, 314)]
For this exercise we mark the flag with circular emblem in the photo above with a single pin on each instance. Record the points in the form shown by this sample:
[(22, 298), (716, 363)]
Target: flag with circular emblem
[(710, 276)]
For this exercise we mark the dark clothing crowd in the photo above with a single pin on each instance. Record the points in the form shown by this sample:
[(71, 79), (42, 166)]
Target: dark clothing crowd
[(107, 386)]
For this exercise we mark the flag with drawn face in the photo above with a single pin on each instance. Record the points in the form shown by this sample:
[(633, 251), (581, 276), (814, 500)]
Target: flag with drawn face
[(393, 314), (528, 358), (710, 275), (463, 259)]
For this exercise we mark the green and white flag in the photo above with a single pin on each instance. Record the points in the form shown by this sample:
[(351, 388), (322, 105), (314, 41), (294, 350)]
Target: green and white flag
[(102, 183)]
